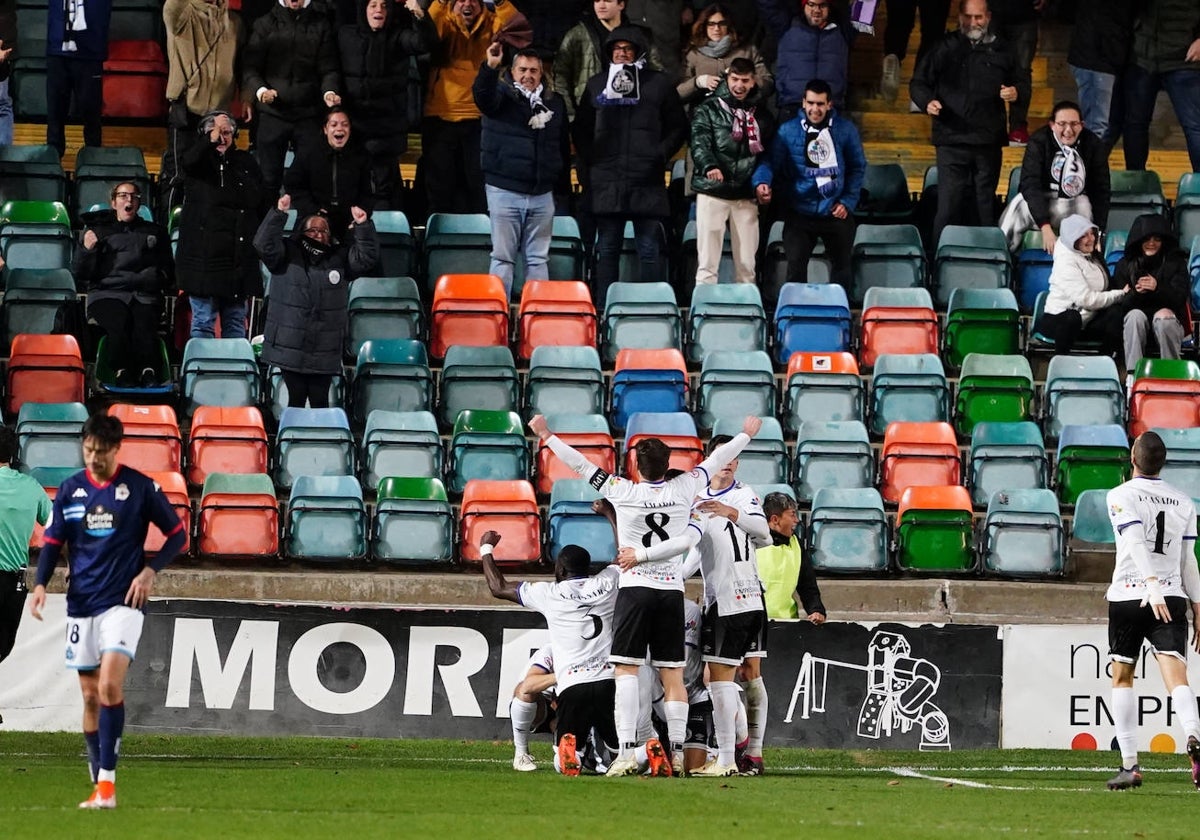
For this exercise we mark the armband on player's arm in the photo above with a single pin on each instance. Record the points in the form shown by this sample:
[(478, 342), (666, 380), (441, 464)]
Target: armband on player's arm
[(574, 459), (667, 549)]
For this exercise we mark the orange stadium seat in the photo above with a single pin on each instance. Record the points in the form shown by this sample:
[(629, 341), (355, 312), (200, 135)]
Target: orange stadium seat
[(239, 516), (507, 507), (555, 312), (152, 441), (918, 454), (43, 368), (175, 489), (470, 309), (226, 439)]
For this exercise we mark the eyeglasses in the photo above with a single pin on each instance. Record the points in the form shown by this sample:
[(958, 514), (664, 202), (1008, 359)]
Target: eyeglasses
[(720, 24), (133, 195), (1075, 125), (315, 230)]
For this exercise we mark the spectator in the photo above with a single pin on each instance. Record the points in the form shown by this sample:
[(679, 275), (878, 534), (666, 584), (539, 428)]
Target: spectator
[(1016, 23), (1080, 304), (375, 59), (1166, 56), (290, 67), (581, 55), (1156, 270), (664, 20), (818, 160), (551, 21), (526, 156), (332, 177), (901, 15), (202, 42), (450, 134), (729, 132), (310, 287), (1064, 172), (630, 122), (814, 45), (1098, 56), (963, 83), (785, 577), (76, 47), (223, 203), (715, 44), (6, 105), (124, 265)]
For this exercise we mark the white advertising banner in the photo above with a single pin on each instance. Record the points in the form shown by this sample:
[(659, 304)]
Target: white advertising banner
[(37, 691), (1056, 688)]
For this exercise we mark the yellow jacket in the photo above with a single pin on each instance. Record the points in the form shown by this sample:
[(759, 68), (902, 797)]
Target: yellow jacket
[(461, 52)]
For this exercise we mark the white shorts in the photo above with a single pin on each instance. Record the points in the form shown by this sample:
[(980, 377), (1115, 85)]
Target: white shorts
[(118, 629)]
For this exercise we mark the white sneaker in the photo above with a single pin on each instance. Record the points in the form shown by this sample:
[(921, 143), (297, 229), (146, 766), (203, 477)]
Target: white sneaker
[(677, 764), (625, 766), (524, 763), (714, 769), (889, 81)]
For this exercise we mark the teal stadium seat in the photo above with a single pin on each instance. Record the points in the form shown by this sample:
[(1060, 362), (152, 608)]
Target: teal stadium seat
[(326, 520), (414, 523)]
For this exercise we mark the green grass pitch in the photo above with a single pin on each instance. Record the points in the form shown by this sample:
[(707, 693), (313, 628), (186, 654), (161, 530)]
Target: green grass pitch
[(221, 787)]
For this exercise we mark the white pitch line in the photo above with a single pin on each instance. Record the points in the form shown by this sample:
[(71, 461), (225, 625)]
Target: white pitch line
[(913, 774)]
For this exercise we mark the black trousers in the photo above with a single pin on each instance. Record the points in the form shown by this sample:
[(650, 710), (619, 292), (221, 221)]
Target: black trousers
[(77, 79), (12, 606), (274, 136), (1067, 328), (800, 235), (453, 172), (311, 389), (902, 14), (967, 179), (131, 330)]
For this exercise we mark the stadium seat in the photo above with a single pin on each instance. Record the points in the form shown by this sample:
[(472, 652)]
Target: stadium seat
[(1081, 391), (326, 519), (1187, 208), (391, 374), (31, 173), (822, 386), (134, 81), (1165, 395), (1114, 247), (477, 377), (383, 308), (897, 322), (998, 389), (834, 454), (152, 441), (238, 516), (773, 267), (1182, 468), (226, 439), (885, 199), (571, 521), (1005, 456), (564, 380), (934, 532), (1033, 270), (218, 371), (1090, 457), (277, 398), (312, 442), (765, 458), (910, 388), (487, 445), (50, 435), (648, 380), (918, 455), (733, 385), (35, 234), (886, 256), (36, 300), (556, 313), (99, 168), (468, 309), (726, 316), (397, 249), (848, 531), (507, 507), (1134, 193), (105, 373), (400, 444), (981, 321), (970, 258), (639, 316), (588, 434), (43, 368), (175, 489), (457, 243), (1194, 271), (1090, 522), (677, 431), (566, 260), (811, 318), (1023, 535), (414, 523)]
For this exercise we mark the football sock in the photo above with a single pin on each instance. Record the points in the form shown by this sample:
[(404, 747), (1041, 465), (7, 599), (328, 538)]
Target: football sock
[(642, 757), (1124, 712), (725, 703), (112, 724), (1185, 706), (677, 714), (521, 713), (756, 715), (93, 753), (741, 732), (647, 685), (627, 711)]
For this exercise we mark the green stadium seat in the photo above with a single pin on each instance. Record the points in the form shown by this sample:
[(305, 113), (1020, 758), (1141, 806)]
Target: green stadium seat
[(30, 173), (400, 443), (36, 300), (414, 523), (218, 371), (50, 435), (981, 321), (934, 533), (1005, 456), (326, 519), (35, 234), (312, 442), (998, 389), (457, 243), (1081, 391), (1134, 193), (885, 199), (566, 260), (910, 388), (397, 248), (477, 377), (487, 445), (1187, 207), (1182, 468), (833, 454), (1023, 535), (970, 258), (822, 386), (733, 385), (564, 380), (571, 521), (105, 373), (100, 168), (383, 308), (1090, 457), (848, 531)]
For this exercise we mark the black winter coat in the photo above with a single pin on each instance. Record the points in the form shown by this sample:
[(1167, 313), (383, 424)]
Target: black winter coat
[(1103, 36), (306, 313), (293, 53), (223, 203), (516, 156), (128, 260), (330, 181), (1169, 267), (966, 79), (1035, 174)]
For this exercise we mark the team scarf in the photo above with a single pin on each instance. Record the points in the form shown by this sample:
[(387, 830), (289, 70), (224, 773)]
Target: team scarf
[(1068, 171), (862, 16), (541, 114), (74, 20), (745, 126), (822, 153), (623, 86)]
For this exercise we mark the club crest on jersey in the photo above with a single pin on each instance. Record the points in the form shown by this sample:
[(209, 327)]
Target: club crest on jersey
[(1114, 509), (121, 493)]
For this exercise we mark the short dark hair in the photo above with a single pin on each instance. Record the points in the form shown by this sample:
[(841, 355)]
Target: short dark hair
[(716, 441), (776, 503), (338, 109), (104, 429), (8, 445), (653, 458), (528, 52), (1065, 105), (742, 66), (1149, 453), (575, 559), (112, 194), (819, 86)]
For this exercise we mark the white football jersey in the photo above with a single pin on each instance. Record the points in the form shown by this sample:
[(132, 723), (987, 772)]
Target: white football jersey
[(728, 556), (1168, 521), (543, 658), (693, 669), (579, 615)]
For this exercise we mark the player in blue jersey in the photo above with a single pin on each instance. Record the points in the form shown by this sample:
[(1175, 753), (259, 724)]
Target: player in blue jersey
[(102, 515)]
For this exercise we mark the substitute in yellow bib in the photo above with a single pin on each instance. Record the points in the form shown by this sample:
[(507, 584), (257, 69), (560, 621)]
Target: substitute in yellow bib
[(781, 568)]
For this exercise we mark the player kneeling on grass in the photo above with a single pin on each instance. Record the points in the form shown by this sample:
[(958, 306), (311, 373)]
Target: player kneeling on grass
[(1154, 579), (532, 706), (102, 514)]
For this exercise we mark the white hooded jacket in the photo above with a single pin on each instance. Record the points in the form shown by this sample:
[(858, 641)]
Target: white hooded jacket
[(1078, 281)]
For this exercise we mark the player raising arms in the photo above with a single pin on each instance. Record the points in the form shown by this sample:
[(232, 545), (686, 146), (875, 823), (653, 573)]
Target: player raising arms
[(649, 611), (1154, 579)]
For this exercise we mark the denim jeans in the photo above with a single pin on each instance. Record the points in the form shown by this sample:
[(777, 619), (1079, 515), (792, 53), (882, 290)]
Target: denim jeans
[(1141, 90), (610, 235), (6, 115), (1103, 112), (521, 224), (205, 311)]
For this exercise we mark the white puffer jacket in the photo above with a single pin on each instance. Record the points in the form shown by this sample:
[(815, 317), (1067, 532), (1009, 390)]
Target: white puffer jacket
[(1078, 281)]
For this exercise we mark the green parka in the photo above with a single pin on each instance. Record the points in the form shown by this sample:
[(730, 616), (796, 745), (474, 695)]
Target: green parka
[(713, 145)]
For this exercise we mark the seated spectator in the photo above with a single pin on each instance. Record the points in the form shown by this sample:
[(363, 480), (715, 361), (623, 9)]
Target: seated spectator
[(333, 177), (1064, 172), (715, 44), (125, 265), (1080, 304), (311, 272), (581, 54), (222, 205), (375, 59), (1155, 268), (814, 44), (526, 158)]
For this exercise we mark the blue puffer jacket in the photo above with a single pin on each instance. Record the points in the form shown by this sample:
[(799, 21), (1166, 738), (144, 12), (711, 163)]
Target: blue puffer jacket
[(806, 53), (784, 168)]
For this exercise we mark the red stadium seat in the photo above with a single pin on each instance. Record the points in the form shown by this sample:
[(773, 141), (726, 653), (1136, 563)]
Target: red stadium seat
[(508, 507), (175, 489), (1165, 395), (152, 442), (135, 81), (226, 439), (918, 454), (555, 312), (469, 309), (597, 447), (45, 369), (897, 330)]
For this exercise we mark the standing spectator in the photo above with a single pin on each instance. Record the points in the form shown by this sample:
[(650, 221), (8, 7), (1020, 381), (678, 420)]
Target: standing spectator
[(551, 21), (223, 203), (729, 132), (630, 122), (526, 153), (815, 44), (901, 16), (714, 46), (1064, 171), (1156, 270), (1166, 56), (582, 55), (664, 20), (1098, 57), (76, 47), (125, 266), (290, 68), (1016, 23), (310, 287), (963, 83), (450, 134), (6, 105), (202, 42), (818, 160), (332, 177), (780, 565), (375, 61)]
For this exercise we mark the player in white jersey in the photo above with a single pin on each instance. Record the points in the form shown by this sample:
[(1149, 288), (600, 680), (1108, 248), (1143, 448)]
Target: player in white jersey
[(530, 708), (1154, 580), (578, 608), (649, 613)]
